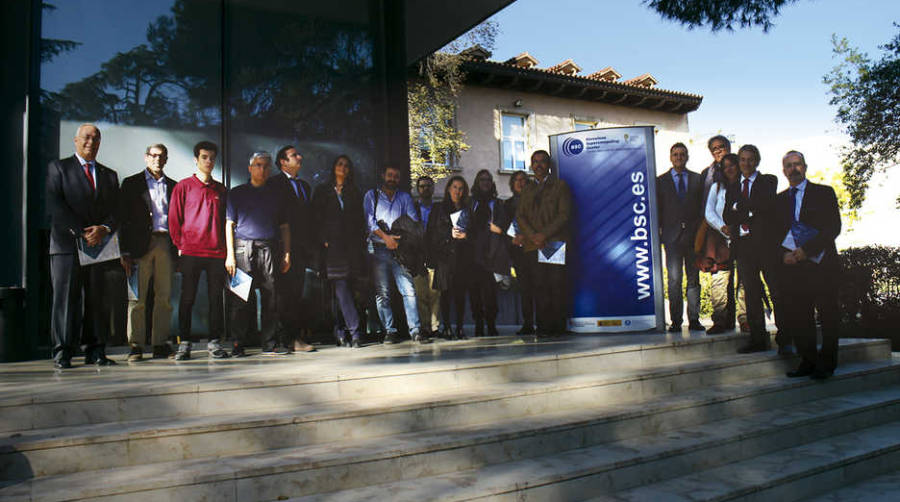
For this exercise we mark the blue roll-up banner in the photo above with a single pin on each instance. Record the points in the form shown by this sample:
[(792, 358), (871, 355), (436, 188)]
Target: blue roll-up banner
[(614, 264)]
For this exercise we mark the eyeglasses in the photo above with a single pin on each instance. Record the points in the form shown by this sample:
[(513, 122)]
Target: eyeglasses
[(156, 155)]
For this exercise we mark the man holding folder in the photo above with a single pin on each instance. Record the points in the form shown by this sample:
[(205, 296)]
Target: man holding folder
[(809, 221)]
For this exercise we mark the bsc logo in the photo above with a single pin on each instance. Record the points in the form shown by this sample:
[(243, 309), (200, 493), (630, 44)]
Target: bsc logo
[(572, 146)]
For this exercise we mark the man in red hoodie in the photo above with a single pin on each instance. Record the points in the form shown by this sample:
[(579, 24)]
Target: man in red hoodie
[(197, 228)]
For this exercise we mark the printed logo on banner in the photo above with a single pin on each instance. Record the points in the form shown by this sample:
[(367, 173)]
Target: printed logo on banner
[(572, 146)]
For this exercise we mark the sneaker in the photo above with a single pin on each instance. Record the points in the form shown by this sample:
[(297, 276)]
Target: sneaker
[(136, 354), (216, 351), (184, 351), (275, 351), (238, 351)]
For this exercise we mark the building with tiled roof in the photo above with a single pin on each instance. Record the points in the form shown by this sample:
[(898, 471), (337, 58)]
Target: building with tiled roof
[(508, 109)]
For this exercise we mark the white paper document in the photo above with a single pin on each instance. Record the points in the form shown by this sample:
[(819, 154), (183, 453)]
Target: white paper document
[(454, 218), (133, 283), (513, 229), (554, 253), (106, 250), (240, 284)]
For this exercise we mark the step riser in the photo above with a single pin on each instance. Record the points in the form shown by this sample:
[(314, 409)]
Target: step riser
[(207, 399), (610, 481), (327, 478), (41, 460)]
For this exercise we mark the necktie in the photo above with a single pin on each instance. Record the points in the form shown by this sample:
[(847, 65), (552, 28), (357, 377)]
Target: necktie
[(294, 184), (90, 177), (793, 192), (746, 193), (682, 190)]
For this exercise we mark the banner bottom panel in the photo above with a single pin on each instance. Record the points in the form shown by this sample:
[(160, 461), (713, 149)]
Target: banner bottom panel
[(612, 324)]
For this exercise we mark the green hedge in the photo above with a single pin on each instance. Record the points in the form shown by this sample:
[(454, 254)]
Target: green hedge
[(870, 292)]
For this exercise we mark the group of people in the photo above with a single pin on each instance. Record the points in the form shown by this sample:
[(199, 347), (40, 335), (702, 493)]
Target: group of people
[(730, 217), (275, 227)]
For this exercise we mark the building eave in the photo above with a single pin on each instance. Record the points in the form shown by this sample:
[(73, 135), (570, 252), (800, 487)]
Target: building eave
[(534, 80)]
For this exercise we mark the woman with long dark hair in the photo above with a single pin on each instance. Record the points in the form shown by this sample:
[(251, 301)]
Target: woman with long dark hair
[(490, 255), (517, 182), (338, 210), (449, 253)]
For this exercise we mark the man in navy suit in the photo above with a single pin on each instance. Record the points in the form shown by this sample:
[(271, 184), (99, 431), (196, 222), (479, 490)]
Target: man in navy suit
[(678, 193), (82, 199), (145, 242), (808, 223), (750, 212)]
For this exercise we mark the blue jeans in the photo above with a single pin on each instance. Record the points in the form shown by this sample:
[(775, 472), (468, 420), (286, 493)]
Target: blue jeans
[(384, 266)]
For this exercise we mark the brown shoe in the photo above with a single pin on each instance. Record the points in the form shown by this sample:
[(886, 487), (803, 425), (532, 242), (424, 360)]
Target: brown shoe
[(301, 346), (136, 354)]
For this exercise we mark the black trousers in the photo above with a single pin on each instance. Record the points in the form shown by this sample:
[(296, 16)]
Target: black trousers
[(807, 288), (456, 294), (79, 313), (750, 264), (258, 259), (550, 295), (292, 309), (482, 296), (191, 267), (525, 279)]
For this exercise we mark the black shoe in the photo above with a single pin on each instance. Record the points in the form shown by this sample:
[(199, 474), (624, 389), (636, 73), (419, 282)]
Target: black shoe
[(275, 351), (526, 329), (786, 350), (419, 338), (492, 329), (391, 338), (696, 326), (674, 329), (821, 374), (101, 361), (460, 334), (717, 330), (136, 354), (162, 351), (801, 371), (238, 351), (62, 364), (479, 329), (753, 347)]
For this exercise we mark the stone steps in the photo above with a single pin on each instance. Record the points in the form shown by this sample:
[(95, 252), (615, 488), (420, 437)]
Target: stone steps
[(883, 488), (658, 428), (375, 373), (45, 452)]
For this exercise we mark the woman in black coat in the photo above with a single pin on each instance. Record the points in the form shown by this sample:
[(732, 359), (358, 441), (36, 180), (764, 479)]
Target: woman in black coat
[(448, 252), (338, 211), (490, 252), (517, 183)]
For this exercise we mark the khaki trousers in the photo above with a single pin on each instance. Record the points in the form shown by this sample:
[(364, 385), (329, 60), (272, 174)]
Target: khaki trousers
[(718, 297), (157, 263), (428, 301)]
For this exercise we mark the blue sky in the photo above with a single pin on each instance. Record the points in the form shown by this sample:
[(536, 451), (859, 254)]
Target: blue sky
[(759, 86)]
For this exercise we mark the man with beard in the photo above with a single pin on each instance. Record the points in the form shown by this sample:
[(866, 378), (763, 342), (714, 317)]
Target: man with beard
[(383, 206)]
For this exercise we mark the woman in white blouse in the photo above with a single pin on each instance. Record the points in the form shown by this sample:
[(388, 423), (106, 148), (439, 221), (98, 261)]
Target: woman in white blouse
[(715, 255)]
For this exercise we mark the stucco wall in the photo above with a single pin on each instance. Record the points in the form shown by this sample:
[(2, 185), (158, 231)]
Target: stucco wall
[(479, 113)]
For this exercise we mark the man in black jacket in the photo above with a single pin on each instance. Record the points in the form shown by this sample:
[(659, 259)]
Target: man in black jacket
[(678, 193), (750, 211), (808, 223), (145, 243), (82, 199), (293, 312)]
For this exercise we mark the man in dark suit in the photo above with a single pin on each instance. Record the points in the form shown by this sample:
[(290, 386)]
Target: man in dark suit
[(145, 242), (750, 211), (678, 193), (82, 199), (293, 312), (808, 223)]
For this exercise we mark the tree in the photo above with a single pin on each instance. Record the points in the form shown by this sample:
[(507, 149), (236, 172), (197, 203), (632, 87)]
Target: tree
[(867, 95), (719, 14), (434, 139)]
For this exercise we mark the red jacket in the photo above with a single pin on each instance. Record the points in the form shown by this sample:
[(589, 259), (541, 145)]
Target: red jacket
[(197, 218)]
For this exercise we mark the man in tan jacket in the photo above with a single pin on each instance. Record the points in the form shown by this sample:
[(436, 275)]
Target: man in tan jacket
[(543, 218)]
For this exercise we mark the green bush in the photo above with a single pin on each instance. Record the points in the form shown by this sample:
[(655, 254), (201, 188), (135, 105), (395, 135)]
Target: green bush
[(870, 291)]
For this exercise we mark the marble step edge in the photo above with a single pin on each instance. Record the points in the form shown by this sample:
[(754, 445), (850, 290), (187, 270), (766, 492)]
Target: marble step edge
[(572, 483), (303, 460), (878, 488), (184, 474), (527, 361), (850, 461), (72, 435)]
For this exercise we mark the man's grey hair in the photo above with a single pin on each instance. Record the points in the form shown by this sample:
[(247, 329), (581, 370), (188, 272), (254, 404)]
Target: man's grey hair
[(794, 152), (160, 146), (260, 155)]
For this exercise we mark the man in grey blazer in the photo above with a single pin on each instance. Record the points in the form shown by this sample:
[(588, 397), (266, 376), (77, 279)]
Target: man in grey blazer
[(678, 193), (82, 199)]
